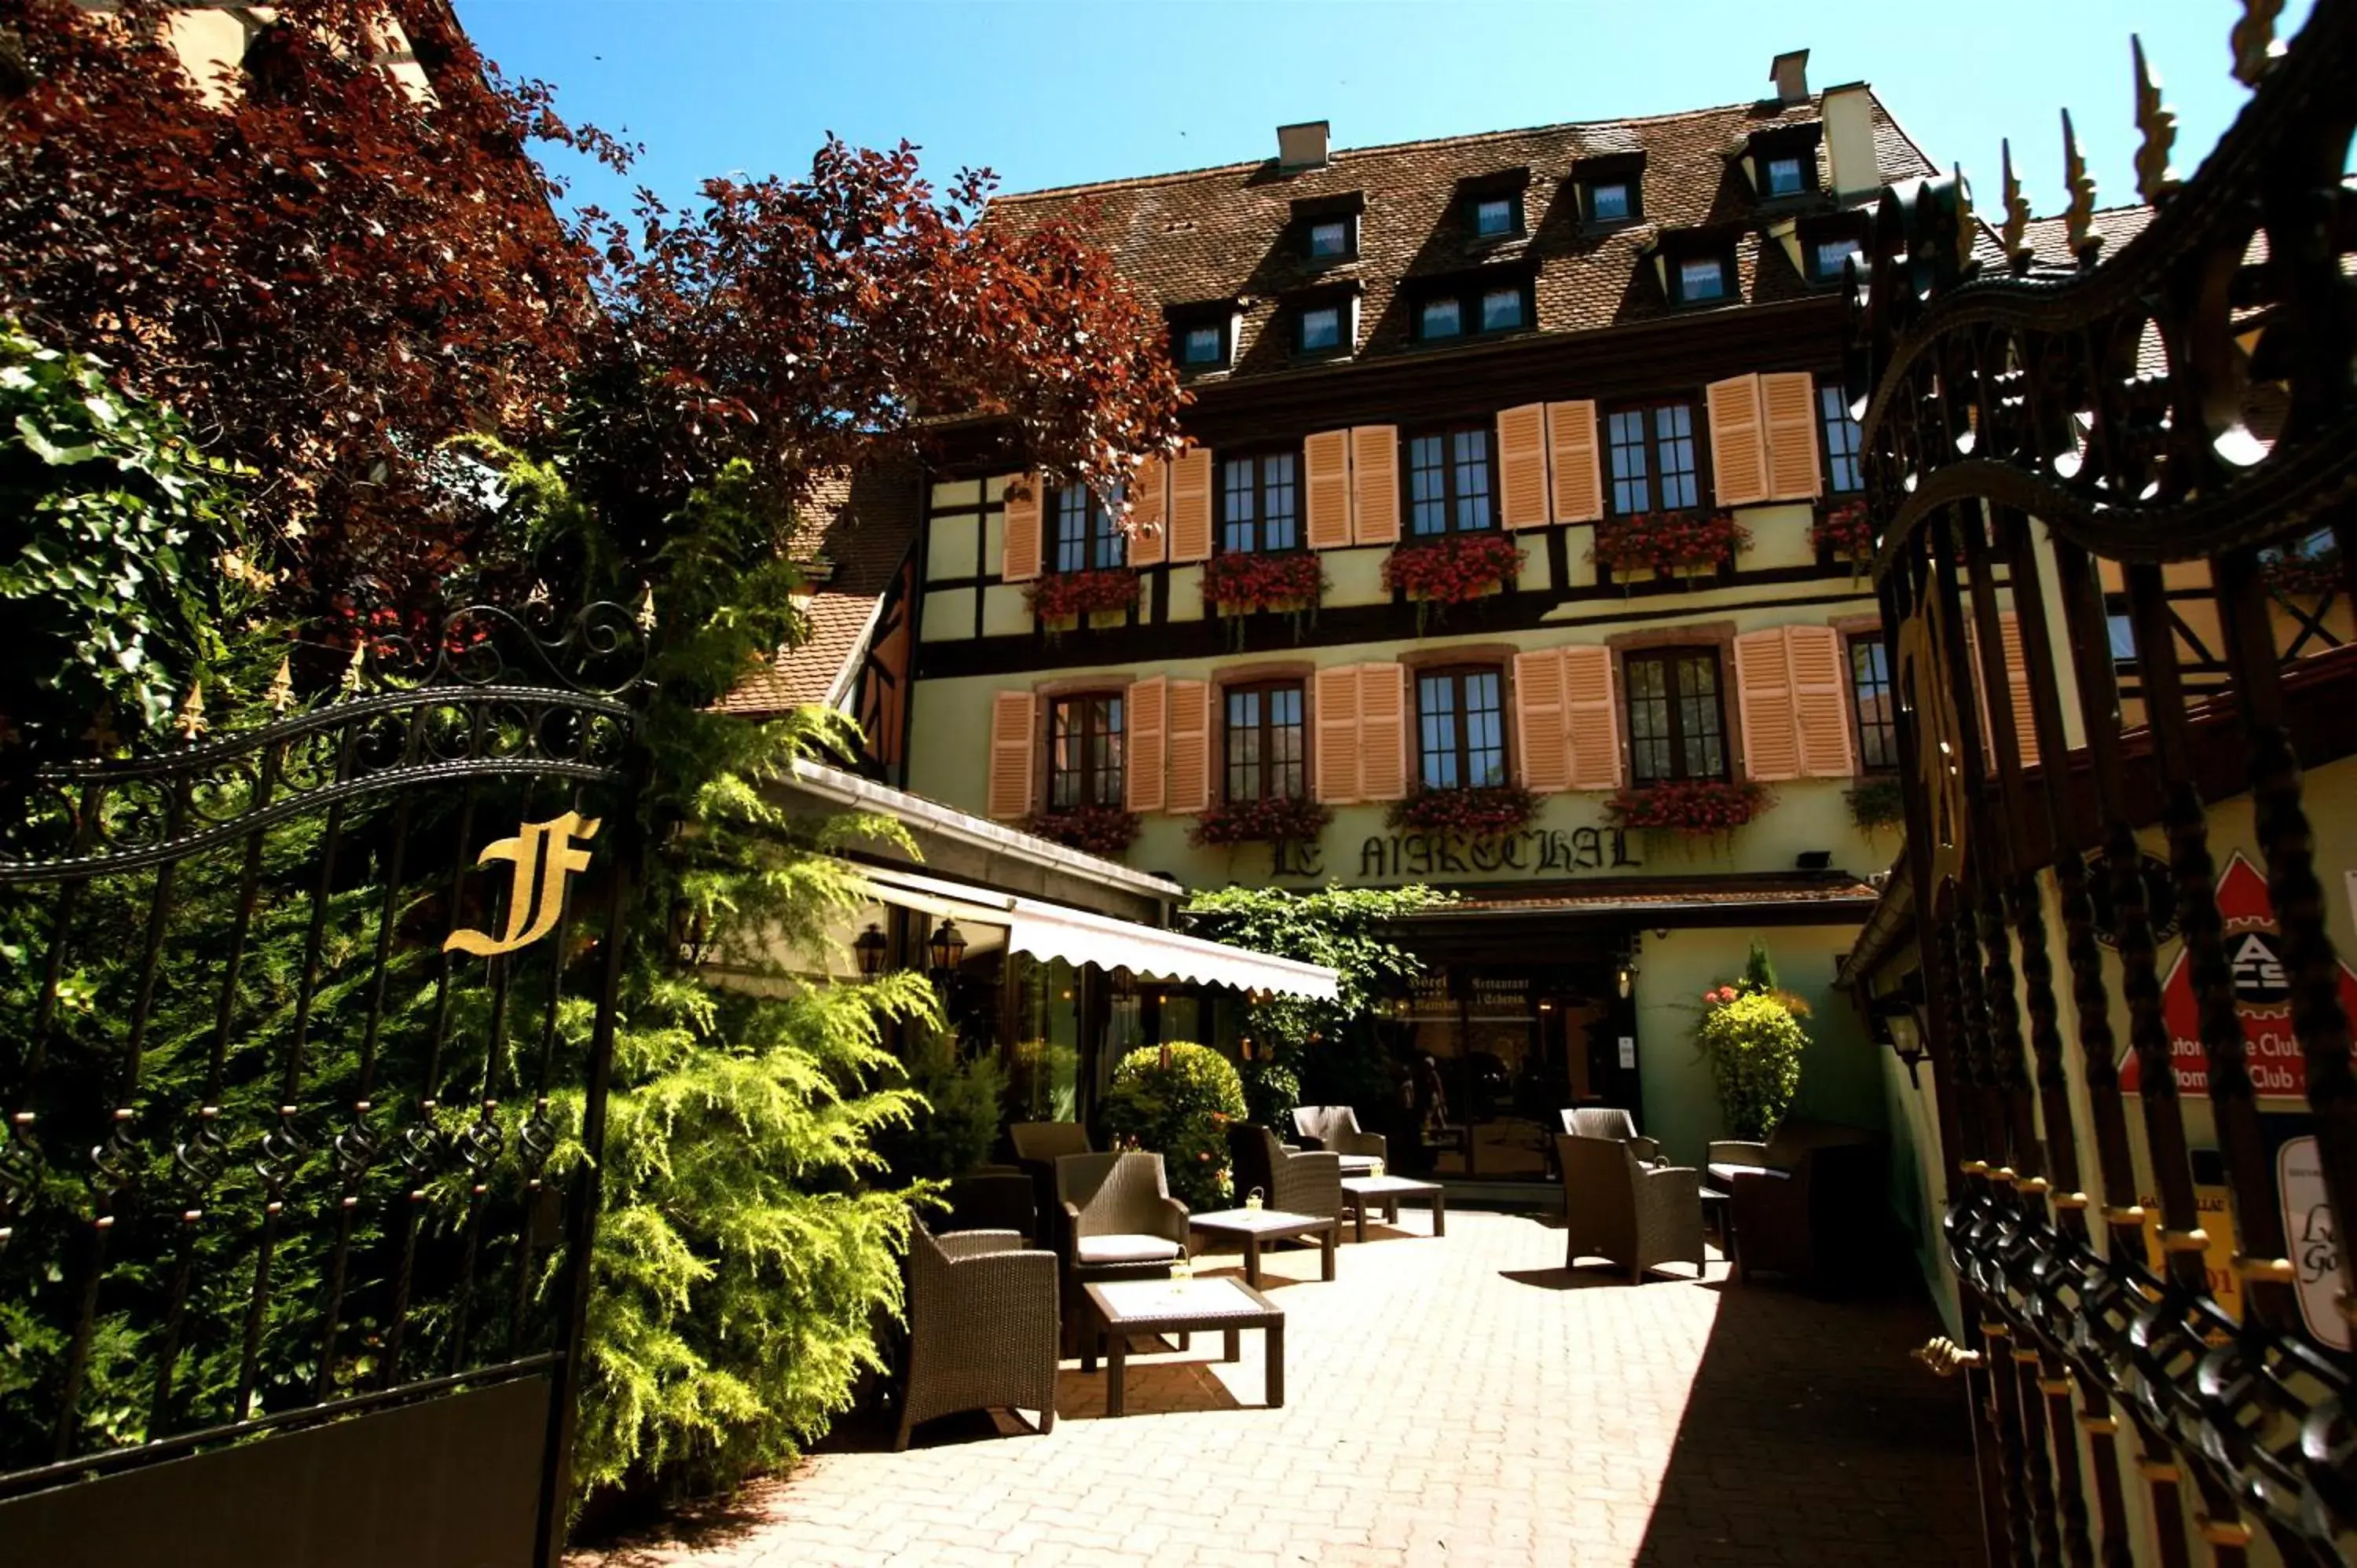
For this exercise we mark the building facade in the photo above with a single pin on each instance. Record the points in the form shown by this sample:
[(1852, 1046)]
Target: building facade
[(1513, 554)]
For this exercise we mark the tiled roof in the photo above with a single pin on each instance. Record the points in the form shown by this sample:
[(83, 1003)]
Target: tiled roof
[(863, 524), (2049, 242), (1220, 233)]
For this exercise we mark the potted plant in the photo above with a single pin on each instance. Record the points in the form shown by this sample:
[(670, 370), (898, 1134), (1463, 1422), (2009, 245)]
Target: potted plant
[(1845, 534), (1695, 808), (1454, 569), (1105, 831), (1276, 819), (1750, 1035), (1673, 543), (1473, 811), (1875, 803), (1059, 599), (1177, 1100), (1240, 582)]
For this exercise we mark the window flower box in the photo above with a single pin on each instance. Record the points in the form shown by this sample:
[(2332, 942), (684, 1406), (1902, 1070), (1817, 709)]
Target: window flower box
[(1698, 807), (1875, 803), (2308, 570), (1454, 569), (1673, 543), (1240, 582), (1272, 820), (1473, 811), (1066, 597), (1844, 534), (1105, 831)]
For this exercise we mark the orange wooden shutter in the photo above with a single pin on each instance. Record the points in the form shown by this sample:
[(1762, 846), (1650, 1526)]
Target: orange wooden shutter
[(1821, 711), (1591, 718), (1788, 406), (1191, 505), (1738, 446), (1539, 740), (1327, 459), (1149, 512), (1578, 466), (1523, 466), (1763, 696), (1142, 751), (1014, 716), (1019, 540), (2017, 685), (1335, 768), (1374, 484), (1190, 746), (1383, 731)]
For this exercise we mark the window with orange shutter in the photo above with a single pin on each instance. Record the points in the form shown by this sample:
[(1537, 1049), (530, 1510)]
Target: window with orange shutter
[(1678, 728), (1652, 459), (1262, 742), (1460, 728), (1448, 481), (1260, 502), (1084, 751), (1870, 696)]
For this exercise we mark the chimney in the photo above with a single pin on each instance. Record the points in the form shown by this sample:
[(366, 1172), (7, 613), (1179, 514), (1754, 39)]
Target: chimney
[(1301, 147), (1790, 72), (1848, 112)]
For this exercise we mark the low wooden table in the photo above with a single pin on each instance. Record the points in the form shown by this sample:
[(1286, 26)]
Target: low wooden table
[(1125, 1307), (1384, 1192), (1254, 1226)]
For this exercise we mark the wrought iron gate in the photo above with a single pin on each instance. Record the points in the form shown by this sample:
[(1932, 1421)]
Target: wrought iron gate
[(302, 1030), (2089, 483)]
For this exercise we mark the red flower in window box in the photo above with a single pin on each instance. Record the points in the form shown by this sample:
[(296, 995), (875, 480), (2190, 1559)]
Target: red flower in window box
[(1246, 580), (1686, 543), (1453, 569), (1696, 807), (1845, 534), (1105, 831), (2310, 569), (1474, 811), (1279, 819), (1068, 596)]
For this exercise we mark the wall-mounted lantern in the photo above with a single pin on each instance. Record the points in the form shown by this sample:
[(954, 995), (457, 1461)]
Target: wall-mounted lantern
[(1898, 1022), (947, 947), (869, 947)]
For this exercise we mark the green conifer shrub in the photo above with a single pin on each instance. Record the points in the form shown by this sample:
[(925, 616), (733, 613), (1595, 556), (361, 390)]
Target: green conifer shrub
[(1177, 1100)]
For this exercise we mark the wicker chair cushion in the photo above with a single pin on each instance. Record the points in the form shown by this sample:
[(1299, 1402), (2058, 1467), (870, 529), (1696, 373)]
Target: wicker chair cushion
[(1359, 1165), (1118, 1248)]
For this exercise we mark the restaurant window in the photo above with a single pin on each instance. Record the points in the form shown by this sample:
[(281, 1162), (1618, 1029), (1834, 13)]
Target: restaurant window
[(1086, 539), (1842, 470), (1460, 729), (1676, 727), (1869, 686), (1084, 751), (1448, 481), (1262, 742), (1654, 465), (1260, 504)]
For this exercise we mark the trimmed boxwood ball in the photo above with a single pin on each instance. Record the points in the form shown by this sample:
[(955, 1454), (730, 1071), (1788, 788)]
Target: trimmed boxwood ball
[(1753, 1045), (1177, 1100)]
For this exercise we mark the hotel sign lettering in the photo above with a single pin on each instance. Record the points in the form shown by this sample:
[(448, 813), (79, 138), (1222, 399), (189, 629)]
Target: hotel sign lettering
[(1534, 852)]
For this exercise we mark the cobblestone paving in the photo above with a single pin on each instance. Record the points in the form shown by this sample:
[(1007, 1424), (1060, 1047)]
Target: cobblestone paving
[(1464, 1401)]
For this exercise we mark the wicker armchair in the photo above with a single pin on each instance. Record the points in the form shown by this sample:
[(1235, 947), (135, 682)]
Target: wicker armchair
[(981, 1327), (1615, 1207), (1299, 1181), (1117, 1222), (1037, 1146), (1335, 1128), (1599, 1122)]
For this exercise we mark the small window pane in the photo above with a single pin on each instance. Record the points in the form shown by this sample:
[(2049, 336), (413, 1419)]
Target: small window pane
[(1280, 512), (2123, 638), (1674, 439), (1832, 254), (1321, 328), (1869, 673), (1427, 486), (1702, 278), (1631, 488), (1494, 215), (1204, 346), (1441, 318), (1783, 177), (1607, 201), (1485, 735), (1472, 476), (1330, 238), (1502, 309), (1841, 433), (1239, 504), (1436, 731)]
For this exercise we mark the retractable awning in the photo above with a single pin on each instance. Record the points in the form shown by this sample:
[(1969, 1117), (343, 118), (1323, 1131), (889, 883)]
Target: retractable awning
[(1076, 936)]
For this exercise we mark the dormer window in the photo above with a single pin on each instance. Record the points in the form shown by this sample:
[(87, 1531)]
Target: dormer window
[(1203, 346), (1782, 176), (1494, 217), (1610, 187), (1321, 328), (1610, 201), (1203, 335), (1502, 310), (1441, 318), (1323, 322), (1702, 280), (1783, 160), (1325, 228), (1827, 257), (1489, 206), (1330, 240), (1485, 303)]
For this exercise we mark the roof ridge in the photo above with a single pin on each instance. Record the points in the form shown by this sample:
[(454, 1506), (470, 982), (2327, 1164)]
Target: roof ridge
[(1134, 182)]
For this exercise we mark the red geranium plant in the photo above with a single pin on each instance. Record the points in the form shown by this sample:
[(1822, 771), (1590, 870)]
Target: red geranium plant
[(2310, 569), (1695, 807), (1068, 596), (1276, 819), (1454, 569), (1686, 544), (1475, 812), (1106, 831), (1845, 534)]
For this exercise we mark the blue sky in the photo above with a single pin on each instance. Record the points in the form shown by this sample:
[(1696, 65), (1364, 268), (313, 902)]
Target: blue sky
[(1054, 91)]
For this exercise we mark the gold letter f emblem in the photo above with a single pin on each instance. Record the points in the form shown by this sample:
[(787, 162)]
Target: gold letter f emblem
[(542, 853)]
